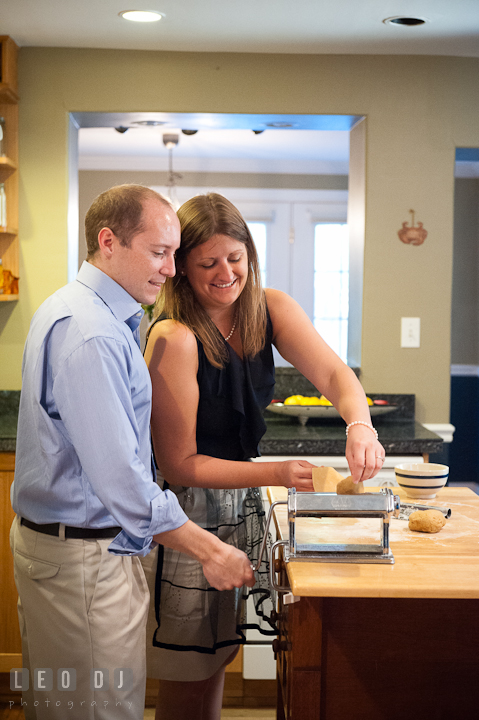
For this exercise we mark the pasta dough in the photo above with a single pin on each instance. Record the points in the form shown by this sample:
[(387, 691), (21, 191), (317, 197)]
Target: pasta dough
[(428, 521), (346, 486), (325, 479)]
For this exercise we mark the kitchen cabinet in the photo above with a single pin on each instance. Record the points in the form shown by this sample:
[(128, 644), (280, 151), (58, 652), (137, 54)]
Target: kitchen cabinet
[(10, 642), (9, 243), (375, 641)]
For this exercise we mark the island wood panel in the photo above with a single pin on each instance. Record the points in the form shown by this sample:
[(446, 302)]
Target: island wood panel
[(384, 654), (378, 659)]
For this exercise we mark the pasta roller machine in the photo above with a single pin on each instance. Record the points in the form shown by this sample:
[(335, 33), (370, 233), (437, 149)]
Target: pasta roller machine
[(382, 505)]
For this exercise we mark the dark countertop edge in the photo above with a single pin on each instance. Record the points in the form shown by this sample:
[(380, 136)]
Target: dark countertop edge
[(8, 445), (404, 436), (284, 437), (332, 447), (308, 447)]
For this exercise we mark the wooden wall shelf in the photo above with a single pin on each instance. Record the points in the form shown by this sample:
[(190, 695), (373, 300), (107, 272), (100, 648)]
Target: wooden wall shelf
[(7, 167), (9, 70), (8, 95), (9, 241)]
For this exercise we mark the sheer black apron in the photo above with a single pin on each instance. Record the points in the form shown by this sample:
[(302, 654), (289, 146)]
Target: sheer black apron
[(192, 615)]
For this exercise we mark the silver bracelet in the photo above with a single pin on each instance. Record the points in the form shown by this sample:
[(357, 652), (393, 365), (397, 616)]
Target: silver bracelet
[(361, 422)]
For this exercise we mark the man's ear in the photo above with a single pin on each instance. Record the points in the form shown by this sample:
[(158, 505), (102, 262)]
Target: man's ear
[(106, 241)]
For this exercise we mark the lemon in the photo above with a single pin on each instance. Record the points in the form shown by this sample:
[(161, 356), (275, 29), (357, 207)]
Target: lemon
[(293, 400), (324, 401), (370, 402), (311, 401)]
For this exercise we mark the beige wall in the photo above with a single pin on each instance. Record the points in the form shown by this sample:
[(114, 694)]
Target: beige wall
[(418, 110)]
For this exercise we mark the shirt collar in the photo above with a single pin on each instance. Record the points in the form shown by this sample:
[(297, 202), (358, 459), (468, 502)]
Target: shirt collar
[(121, 303)]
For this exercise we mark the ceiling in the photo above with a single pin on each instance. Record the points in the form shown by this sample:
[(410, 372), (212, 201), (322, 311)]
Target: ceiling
[(304, 152), (264, 26), (301, 144)]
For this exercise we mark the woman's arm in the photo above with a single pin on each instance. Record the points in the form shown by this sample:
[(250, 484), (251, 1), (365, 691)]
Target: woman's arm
[(172, 359), (300, 344)]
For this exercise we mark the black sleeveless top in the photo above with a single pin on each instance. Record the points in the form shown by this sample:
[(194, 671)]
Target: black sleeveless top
[(230, 421)]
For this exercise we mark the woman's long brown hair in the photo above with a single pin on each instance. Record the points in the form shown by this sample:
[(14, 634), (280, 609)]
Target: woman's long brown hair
[(201, 217)]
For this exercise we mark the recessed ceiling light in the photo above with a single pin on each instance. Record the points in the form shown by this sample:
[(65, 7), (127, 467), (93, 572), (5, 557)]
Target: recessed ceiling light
[(144, 16), (408, 21)]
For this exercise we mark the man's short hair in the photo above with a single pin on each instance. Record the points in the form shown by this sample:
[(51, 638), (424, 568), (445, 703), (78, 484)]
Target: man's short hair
[(121, 210)]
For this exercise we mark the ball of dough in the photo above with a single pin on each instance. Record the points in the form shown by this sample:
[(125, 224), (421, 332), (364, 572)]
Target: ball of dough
[(428, 521), (325, 479), (348, 487)]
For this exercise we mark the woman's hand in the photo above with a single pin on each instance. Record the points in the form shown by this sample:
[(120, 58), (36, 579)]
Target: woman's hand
[(295, 473), (365, 454)]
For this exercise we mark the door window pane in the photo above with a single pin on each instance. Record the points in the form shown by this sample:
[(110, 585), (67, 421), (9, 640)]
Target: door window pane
[(258, 231), (331, 284)]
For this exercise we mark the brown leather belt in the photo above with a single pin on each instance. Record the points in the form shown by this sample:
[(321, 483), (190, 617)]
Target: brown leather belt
[(72, 532)]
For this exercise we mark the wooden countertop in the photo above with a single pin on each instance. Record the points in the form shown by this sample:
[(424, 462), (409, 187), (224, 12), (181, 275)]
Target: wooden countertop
[(441, 565)]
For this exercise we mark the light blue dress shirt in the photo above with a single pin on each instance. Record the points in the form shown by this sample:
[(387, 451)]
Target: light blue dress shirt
[(83, 441)]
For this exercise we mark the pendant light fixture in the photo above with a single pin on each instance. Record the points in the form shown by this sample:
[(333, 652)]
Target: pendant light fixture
[(170, 140)]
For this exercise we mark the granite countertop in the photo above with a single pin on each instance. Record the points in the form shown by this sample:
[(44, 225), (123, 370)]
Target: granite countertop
[(9, 401), (285, 436), (399, 433)]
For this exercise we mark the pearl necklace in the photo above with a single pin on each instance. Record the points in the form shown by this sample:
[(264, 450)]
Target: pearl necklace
[(232, 329)]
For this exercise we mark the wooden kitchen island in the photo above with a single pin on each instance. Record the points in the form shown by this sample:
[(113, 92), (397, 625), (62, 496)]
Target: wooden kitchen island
[(370, 642)]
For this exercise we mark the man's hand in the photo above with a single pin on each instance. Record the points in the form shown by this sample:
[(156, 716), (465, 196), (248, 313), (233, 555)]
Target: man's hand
[(229, 568), (224, 566)]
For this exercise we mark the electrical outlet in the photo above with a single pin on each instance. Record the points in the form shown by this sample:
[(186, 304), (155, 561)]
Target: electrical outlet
[(410, 332)]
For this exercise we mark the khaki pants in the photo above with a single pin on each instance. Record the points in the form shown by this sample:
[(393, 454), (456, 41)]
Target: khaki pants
[(80, 609)]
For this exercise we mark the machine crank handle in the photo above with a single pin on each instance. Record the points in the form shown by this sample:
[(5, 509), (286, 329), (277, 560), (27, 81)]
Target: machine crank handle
[(266, 528), (272, 568)]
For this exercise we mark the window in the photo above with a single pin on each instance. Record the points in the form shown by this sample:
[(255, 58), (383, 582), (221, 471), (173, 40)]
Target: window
[(331, 284), (258, 232), (302, 242)]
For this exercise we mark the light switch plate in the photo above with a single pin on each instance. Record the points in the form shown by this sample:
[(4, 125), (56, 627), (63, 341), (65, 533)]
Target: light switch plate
[(410, 332)]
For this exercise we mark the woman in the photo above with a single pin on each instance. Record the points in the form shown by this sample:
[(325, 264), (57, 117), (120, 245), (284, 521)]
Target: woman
[(211, 365)]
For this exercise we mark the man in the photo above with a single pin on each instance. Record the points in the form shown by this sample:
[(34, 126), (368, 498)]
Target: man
[(84, 493)]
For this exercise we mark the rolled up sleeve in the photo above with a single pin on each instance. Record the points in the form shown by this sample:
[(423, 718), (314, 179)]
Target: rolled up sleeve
[(103, 397)]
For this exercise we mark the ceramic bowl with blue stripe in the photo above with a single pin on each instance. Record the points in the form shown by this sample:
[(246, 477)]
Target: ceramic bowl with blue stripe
[(421, 480)]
